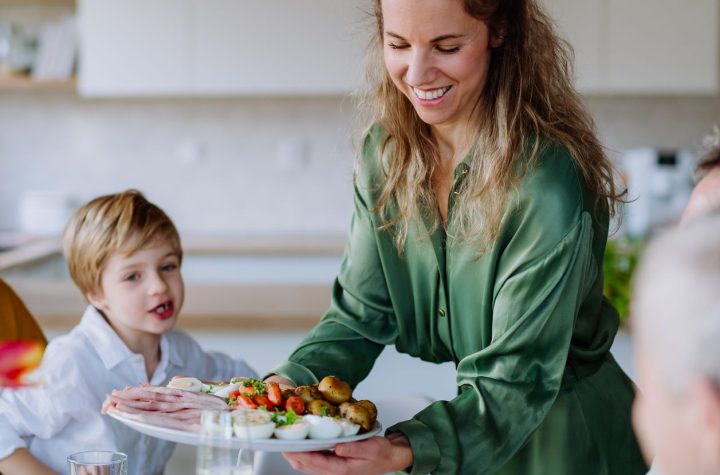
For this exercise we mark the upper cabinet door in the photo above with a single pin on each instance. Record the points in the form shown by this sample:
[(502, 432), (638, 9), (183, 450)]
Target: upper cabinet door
[(641, 46), (134, 47), (278, 46), (663, 46), (579, 23)]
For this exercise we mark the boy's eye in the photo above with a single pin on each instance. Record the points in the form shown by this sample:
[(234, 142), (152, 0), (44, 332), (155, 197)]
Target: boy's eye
[(132, 277), (169, 267)]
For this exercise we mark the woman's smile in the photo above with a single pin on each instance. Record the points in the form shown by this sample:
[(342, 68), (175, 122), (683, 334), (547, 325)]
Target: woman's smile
[(438, 56), (430, 96)]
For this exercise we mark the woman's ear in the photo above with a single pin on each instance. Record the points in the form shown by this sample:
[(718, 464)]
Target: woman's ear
[(497, 38)]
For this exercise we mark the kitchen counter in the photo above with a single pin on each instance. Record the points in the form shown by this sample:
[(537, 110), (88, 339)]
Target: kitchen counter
[(240, 283)]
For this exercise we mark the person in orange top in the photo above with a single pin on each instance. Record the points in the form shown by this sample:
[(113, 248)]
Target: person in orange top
[(16, 321)]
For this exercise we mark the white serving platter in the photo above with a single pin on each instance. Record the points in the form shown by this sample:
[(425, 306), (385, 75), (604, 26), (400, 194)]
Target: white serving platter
[(262, 445)]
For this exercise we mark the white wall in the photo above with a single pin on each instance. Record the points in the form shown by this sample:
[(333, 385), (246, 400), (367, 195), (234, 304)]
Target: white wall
[(240, 183)]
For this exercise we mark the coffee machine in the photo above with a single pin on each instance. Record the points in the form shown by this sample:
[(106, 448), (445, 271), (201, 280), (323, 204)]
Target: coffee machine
[(659, 183)]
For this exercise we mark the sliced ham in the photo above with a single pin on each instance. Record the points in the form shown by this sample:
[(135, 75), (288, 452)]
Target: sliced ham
[(166, 407)]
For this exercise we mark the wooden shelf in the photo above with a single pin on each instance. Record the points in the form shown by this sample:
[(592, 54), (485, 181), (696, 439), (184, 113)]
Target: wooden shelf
[(40, 3), (25, 83)]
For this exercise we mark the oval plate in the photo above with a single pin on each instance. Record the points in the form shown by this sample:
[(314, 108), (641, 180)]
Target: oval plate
[(262, 445)]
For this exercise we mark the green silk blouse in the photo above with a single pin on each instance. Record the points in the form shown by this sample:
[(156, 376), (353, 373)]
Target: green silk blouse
[(525, 323)]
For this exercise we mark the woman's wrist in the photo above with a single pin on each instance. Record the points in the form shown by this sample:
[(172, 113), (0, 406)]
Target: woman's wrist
[(402, 451)]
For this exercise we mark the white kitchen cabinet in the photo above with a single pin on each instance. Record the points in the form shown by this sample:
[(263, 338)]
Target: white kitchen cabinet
[(221, 47), (641, 46), (277, 46), (663, 46), (579, 22), (134, 47)]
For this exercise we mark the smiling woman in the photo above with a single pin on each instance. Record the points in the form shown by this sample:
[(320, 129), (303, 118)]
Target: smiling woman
[(482, 201)]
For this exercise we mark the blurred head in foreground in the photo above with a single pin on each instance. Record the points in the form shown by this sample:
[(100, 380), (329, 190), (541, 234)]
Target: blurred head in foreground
[(706, 195), (676, 323)]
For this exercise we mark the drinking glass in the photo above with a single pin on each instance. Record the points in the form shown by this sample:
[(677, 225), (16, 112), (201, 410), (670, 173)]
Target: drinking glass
[(215, 453), (98, 462)]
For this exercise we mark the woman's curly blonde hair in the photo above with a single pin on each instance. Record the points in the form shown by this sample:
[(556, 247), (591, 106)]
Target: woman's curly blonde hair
[(528, 100)]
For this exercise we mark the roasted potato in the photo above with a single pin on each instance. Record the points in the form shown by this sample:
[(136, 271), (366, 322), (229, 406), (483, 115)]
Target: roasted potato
[(334, 390), (372, 409), (357, 414), (308, 393), (316, 407)]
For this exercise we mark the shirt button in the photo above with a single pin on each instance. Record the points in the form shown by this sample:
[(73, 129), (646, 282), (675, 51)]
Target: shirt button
[(441, 312)]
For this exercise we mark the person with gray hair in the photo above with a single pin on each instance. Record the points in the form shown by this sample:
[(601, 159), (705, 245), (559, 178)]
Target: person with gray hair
[(706, 195), (676, 322)]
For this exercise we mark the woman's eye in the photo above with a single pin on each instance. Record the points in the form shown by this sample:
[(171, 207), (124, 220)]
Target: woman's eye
[(397, 46), (447, 49), (132, 277)]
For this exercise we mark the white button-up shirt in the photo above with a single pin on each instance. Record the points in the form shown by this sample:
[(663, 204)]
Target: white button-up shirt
[(62, 416)]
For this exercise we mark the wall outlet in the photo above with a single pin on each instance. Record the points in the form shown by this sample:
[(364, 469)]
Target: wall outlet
[(191, 151), (292, 155)]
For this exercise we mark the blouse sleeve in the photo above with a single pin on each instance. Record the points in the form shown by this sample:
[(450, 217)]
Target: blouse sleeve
[(353, 332), (360, 321), (508, 387)]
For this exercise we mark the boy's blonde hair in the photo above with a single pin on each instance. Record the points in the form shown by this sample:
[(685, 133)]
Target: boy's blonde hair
[(122, 222)]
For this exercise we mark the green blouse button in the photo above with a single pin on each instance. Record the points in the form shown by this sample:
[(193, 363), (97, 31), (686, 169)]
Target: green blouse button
[(441, 312)]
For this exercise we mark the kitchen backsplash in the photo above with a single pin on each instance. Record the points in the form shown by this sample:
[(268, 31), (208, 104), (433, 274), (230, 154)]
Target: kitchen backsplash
[(236, 165)]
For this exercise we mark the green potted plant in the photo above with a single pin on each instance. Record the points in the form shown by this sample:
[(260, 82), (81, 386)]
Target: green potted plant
[(619, 262)]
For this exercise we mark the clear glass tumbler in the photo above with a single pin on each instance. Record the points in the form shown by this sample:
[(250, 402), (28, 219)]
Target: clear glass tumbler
[(98, 462), (215, 454)]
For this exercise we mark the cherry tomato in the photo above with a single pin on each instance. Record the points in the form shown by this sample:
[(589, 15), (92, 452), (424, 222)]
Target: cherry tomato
[(261, 400), (295, 403), (234, 393), (247, 390), (274, 394), (246, 401)]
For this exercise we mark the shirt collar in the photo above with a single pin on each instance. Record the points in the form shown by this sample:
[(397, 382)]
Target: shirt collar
[(112, 350)]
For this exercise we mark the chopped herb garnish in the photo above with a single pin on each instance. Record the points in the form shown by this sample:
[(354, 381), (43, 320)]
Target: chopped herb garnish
[(324, 411), (258, 385), (281, 418)]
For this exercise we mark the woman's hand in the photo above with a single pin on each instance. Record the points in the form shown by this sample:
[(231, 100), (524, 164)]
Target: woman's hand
[(283, 382), (376, 455)]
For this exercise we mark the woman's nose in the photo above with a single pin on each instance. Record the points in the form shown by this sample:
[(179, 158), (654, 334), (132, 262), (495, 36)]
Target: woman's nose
[(419, 68)]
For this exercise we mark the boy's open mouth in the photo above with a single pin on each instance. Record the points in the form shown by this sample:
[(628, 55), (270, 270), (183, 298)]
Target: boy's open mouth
[(164, 311)]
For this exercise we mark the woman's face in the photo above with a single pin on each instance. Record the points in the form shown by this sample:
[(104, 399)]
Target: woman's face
[(437, 55)]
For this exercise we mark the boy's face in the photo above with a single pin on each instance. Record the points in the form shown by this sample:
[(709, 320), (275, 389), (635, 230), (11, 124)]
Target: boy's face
[(669, 425), (142, 293)]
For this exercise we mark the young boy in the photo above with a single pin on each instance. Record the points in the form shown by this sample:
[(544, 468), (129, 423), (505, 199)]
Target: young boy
[(124, 254), (676, 326)]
